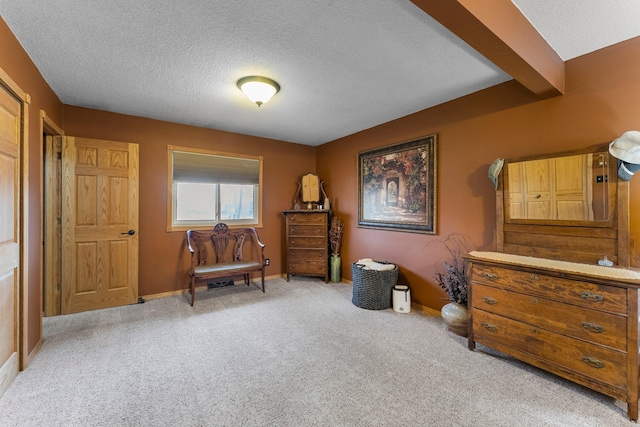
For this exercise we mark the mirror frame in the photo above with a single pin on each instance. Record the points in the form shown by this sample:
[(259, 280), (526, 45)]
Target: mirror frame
[(566, 240)]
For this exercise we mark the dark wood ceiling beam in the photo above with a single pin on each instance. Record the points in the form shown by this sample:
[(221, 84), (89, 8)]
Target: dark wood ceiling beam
[(499, 31)]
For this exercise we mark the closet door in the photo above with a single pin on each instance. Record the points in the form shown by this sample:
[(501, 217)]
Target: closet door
[(10, 221), (539, 196), (573, 188)]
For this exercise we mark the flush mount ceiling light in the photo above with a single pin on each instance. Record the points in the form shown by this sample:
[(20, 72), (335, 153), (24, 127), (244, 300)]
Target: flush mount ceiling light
[(258, 89)]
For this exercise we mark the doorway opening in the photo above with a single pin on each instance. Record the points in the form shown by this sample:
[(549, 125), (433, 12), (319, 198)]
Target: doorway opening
[(51, 216)]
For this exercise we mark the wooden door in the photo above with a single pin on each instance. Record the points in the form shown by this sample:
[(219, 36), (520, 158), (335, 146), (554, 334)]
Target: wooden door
[(10, 220), (516, 191), (99, 224), (538, 189), (573, 185), (52, 223)]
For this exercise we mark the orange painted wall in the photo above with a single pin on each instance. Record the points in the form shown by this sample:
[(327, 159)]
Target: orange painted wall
[(164, 260), (17, 64), (601, 101)]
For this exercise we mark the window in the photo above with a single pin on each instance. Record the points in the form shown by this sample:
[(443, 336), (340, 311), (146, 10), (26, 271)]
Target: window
[(208, 187)]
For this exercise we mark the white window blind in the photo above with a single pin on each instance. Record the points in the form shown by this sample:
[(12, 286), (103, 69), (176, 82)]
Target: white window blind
[(197, 167)]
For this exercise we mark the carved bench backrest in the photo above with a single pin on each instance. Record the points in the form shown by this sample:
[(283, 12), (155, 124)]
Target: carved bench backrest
[(219, 238)]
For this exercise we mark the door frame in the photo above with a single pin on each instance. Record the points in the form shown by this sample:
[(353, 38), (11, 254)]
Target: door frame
[(51, 241), (23, 295)]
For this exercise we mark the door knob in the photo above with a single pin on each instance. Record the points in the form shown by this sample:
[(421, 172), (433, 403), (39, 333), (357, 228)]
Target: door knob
[(130, 232)]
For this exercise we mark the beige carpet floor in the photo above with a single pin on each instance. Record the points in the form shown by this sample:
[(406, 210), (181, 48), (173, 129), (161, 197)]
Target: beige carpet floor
[(300, 355)]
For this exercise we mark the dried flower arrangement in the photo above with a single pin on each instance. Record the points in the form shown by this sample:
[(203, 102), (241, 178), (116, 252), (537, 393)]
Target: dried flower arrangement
[(335, 234), (454, 278)]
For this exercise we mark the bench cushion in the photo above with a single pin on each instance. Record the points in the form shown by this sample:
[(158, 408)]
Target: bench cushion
[(226, 267)]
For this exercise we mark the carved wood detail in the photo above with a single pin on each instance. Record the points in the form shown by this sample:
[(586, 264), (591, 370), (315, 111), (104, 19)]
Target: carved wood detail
[(198, 243)]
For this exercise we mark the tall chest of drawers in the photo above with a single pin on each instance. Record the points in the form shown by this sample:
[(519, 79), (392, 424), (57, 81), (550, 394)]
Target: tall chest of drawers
[(576, 325), (307, 240)]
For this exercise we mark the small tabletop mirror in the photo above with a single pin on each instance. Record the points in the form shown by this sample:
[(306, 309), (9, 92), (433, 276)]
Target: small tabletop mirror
[(310, 191), (310, 188)]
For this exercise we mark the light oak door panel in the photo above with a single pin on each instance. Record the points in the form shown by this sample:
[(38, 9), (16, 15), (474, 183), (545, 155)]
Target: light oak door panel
[(99, 224), (538, 189), (52, 226), (573, 192), (516, 191), (556, 189), (10, 137)]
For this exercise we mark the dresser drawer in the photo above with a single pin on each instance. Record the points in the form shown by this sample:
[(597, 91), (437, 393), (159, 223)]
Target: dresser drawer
[(584, 294), (592, 325), (307, 218), (602, 364), (297, 255), (307, 267), (308, 230), (307, 242)]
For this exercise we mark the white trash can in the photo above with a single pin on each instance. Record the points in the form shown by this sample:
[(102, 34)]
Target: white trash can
[(401, 295)]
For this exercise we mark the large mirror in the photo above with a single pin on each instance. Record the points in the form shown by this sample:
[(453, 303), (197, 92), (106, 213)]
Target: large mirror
[(568, 188), (567, 206)]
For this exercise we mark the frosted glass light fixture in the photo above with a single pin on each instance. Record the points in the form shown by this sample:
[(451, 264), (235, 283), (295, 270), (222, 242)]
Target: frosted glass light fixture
[(258, 89)]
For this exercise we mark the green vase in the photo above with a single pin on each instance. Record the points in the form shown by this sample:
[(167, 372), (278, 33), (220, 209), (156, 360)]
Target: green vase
[(336, 268)]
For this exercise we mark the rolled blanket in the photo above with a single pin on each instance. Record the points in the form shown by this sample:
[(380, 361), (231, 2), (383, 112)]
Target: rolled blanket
[(369, 264)]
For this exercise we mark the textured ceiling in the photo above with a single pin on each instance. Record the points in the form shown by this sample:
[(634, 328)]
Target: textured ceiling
[(343, 66), (576, 27)]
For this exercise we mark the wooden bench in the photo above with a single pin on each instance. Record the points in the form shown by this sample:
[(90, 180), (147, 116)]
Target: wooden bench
[(206, 266)]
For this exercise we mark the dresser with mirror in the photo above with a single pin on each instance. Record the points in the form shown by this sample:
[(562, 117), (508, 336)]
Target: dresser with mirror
[(560, 291), (307, 230)]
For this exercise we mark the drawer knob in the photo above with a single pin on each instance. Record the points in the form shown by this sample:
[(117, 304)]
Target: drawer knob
[(593, 362), (490, 300), (534, 300), (591, 296), (534, 277), (490, 276), (592, 327), (489, 326)]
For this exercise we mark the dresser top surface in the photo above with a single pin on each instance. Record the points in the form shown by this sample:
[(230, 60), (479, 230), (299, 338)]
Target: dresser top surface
[(611, 273), (305, 211)]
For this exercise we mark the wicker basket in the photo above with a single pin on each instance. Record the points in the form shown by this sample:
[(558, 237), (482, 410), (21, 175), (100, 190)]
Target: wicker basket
[(372, 288)]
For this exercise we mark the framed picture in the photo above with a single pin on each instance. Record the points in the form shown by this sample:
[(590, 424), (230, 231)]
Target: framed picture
[(397, 186)]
